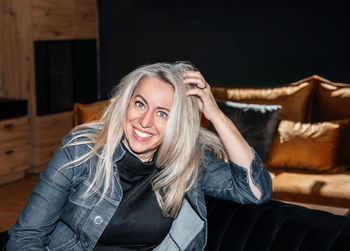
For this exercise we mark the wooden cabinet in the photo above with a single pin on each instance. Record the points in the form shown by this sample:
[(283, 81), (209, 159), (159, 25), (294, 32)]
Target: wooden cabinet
[(57, 20), (14, 149), (21, 24), (48, 135)]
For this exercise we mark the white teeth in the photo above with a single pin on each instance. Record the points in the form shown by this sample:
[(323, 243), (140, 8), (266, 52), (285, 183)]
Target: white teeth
[(142, 134)]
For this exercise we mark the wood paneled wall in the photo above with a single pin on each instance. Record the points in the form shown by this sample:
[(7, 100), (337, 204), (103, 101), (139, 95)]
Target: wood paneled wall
[(16, 49), (22, 22), (85, 19), (64, 19)]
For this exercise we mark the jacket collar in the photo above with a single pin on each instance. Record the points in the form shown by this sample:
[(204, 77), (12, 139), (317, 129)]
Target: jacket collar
[(118, 154)]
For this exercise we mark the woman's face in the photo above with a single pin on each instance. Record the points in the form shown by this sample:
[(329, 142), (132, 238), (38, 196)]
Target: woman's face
[(147, 116)]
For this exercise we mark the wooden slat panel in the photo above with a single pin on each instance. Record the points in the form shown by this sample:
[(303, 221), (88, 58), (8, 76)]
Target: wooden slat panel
[(16, 48), (8, 41), (85, 24), (50, 130), (53, 19)]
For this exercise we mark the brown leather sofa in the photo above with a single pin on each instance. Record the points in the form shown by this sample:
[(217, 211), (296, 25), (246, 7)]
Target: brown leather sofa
[(309, 157), (309, 154)]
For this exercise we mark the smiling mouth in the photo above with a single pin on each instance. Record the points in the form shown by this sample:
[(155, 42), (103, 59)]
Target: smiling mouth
[(141, 135)]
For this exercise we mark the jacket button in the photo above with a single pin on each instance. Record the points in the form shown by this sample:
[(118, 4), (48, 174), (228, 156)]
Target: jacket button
[(98, 220)]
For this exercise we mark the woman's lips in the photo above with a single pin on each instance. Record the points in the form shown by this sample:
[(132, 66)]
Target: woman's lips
[(141, 135)]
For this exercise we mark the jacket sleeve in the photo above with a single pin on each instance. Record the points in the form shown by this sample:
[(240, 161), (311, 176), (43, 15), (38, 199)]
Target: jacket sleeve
[(38, 219), (230, 181)]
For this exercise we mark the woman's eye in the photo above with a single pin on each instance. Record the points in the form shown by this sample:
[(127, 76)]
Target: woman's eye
[(139, 104), (162, 114)]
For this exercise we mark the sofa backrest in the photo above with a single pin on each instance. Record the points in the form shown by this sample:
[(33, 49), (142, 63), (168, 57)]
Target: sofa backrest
[(332, 102), (89, 112), (295, 98), (305, 102)]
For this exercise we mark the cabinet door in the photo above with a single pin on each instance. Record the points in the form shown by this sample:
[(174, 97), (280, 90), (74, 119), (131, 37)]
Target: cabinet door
[(49, 132), (14, 149), (14, 130)]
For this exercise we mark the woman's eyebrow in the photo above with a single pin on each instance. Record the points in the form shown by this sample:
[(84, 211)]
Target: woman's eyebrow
[(145, 101)]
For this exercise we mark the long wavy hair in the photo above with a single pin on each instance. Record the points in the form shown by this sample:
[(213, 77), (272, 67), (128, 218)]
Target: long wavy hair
[(179, 154)]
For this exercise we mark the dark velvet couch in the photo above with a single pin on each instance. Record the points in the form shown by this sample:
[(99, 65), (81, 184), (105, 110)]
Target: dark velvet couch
[(274, 226)]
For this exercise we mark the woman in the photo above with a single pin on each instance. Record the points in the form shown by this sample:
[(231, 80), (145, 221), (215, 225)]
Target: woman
[(136, 179)]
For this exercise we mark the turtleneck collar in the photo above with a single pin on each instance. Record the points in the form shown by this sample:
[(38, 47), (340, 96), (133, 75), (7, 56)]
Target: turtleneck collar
[(133, 164)]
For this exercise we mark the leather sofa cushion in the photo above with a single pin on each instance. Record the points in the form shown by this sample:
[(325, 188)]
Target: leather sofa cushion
[(294, 98), (89, 112), (306, 146), (328, 189), (331, 102)]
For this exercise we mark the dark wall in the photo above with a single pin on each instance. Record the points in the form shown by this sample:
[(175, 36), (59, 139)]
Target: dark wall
[(244, 43), (65, 73)]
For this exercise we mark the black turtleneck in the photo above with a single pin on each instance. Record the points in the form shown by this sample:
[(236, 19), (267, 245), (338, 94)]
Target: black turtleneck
[(138, 223)]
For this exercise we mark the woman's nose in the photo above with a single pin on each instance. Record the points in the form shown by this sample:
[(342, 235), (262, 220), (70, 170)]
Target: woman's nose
[(146, 119)]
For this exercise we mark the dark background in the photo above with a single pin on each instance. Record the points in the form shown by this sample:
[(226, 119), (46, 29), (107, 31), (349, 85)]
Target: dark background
[(254, 43), (65, 72)]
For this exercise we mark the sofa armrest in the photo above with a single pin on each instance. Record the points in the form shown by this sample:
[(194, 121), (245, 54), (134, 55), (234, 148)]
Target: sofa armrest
[(274, 226)]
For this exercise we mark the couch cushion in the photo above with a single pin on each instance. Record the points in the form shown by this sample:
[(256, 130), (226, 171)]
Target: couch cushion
[(257, 123), (326, 189), (89, 112), (294, 98), (306, 146), (331, 102)]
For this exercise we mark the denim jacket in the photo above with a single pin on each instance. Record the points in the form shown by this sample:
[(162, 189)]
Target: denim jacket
[(58, 218)]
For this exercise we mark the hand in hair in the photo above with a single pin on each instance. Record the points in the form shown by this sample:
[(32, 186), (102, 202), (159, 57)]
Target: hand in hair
[(205, 99), (237, 148)]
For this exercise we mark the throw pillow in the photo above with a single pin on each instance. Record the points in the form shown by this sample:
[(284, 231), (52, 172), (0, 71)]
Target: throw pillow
[(89, 112), (257, 123), (294, 98), (332, 101), (306, 146)]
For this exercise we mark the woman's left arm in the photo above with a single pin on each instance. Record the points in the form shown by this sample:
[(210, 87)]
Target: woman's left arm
[(236, 146)]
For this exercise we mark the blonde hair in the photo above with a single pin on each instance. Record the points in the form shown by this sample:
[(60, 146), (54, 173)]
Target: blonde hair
[(181, 151)]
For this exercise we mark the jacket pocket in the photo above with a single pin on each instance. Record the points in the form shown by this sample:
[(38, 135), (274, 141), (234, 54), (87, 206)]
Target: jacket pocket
[(79, 198), (78, 208), (62, 239)]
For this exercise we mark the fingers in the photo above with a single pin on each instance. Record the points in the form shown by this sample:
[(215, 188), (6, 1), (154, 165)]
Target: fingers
[(205, 99), (196, 92), (195, 78)]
